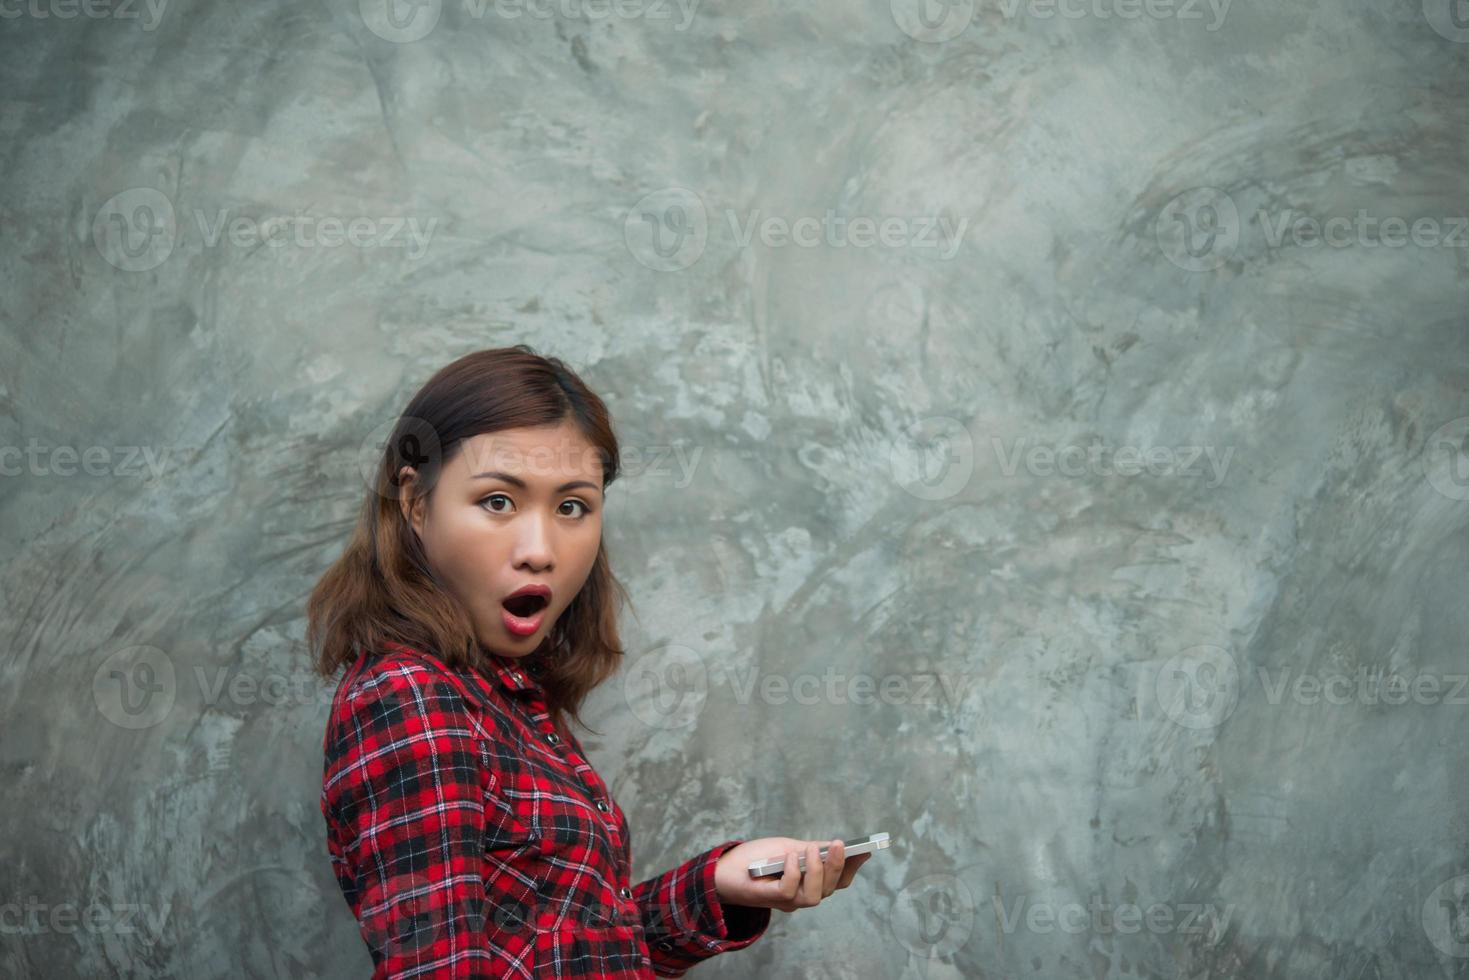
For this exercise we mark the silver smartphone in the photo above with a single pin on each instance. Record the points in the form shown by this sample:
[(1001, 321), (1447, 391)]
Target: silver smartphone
[(853, 847)]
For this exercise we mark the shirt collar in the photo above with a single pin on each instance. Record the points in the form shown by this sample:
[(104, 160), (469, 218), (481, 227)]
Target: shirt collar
[(514, 674)]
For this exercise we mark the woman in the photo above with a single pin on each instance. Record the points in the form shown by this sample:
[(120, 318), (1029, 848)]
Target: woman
[(473, 612)]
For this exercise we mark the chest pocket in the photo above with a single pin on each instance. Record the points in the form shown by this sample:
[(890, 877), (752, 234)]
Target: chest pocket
[(562, 812), (553, 804), (510, 829)]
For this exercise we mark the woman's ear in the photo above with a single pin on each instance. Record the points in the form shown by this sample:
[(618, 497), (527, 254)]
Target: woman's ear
[(409, 501)]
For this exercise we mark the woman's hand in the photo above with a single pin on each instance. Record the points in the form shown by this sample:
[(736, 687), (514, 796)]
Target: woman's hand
[(793, 889)]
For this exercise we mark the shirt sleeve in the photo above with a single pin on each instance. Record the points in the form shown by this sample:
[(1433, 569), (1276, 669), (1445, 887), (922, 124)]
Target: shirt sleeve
[(684, 921), (406, 781)]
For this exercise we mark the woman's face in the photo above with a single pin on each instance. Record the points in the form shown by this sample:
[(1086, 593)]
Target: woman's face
[(513, 508)]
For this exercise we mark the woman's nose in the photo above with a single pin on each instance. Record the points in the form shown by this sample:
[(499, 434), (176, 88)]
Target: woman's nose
[(533, 545)]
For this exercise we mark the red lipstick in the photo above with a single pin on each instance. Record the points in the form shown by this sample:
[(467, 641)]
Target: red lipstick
[(523, 609)]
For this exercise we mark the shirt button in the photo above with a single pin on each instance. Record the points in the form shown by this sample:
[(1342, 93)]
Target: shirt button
[(664, 944), (553, 738), (602, 805), (625, 892)]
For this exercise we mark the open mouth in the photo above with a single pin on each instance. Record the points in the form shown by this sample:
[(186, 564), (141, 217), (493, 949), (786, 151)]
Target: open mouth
[(525, 606)]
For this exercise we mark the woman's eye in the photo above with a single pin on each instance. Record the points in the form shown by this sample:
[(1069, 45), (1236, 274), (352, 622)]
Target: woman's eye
[(584, 508), (492, 497)]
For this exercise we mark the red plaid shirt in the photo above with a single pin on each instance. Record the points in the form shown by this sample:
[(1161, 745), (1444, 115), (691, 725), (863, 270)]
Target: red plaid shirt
[(472, 840)]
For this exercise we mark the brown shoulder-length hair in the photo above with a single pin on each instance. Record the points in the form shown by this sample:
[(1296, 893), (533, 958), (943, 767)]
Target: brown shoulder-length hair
[(382, 587)]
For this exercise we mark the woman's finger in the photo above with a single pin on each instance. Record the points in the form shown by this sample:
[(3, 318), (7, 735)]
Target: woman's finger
[(790, 879), (835, 860), (850, 871), (811, 880)]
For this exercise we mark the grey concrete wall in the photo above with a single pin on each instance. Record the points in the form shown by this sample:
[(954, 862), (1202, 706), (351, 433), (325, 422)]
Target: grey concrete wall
[(1121, 452)]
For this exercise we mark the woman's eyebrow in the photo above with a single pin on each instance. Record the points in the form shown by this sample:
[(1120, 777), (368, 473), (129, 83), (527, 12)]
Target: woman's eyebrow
[(517, 481)]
